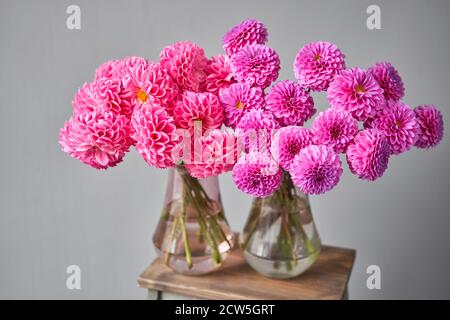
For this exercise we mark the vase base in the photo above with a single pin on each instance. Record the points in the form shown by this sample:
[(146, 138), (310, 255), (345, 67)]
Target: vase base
[(280, 269), (200, 265)]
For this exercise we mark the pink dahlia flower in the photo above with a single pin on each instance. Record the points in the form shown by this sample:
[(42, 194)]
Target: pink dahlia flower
[(154, 132), (290, 103), (149, 83), (238, 99), (389, 80), (103, 94), (334, 128), (316, 169), (255, 129), (431, 126), (248, 32), (257, 174), (287, 143), (400, 127), (202, 109), (219, 74), (99, 139), (257, 65), (186, 63), (368, 155), (107, 69), (357, 92), (127, 64), (317, 63), (217, 155)]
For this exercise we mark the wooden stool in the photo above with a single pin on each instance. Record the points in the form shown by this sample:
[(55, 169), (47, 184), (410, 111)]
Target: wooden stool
[(326, 279)]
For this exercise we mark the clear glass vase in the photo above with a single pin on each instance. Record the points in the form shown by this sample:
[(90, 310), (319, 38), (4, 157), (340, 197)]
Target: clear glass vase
[(193, 235), (280, 239)]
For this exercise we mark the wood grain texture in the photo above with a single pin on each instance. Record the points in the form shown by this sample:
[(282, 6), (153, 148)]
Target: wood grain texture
[(326, 279)]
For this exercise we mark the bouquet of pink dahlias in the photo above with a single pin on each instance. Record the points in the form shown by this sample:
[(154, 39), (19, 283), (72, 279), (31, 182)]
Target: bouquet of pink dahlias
[(171, 112)]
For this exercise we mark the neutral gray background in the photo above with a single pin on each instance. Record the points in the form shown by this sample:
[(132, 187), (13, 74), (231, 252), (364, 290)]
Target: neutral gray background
[(56, 212)]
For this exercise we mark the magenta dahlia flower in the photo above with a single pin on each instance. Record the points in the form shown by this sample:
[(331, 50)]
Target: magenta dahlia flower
[(257, 65), (217, 154), (368, 155), (218, 74), (250, 31), (149, 83), (287, 143), (154, 132), (186, 63), (356, 91), (316, 169), (389, 80), (203, 109), (290, 103), (317, 63), (103, 94), (255, 129), (237, 99), (431, 126), (334, 128), (99, 139), (399, 125), (257, 174)]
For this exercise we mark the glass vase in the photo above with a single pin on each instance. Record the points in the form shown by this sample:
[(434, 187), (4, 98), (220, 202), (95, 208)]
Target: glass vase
[(280, 239), (192, 235)]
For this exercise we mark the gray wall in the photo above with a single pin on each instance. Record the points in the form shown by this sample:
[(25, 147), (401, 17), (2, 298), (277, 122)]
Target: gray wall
[(56, 211)]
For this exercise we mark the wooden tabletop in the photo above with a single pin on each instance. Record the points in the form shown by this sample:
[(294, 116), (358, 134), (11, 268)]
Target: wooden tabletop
[(326, 279)]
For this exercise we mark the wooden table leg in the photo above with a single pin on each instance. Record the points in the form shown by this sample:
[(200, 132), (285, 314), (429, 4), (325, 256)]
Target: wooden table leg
[(345, 295)]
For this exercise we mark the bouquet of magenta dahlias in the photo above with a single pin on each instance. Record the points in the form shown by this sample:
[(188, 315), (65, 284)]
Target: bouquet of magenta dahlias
[(285, 162), (170, 112)]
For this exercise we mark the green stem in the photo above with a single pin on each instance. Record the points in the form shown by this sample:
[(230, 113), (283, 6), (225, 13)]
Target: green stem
[(201, 202), (187, 248)]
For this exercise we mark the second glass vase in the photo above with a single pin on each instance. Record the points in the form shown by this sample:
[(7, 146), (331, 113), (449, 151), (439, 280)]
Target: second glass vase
[(193, 235), (280, 239)]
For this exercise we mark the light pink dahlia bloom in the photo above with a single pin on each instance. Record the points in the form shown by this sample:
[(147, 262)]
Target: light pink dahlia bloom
[(399, 125), (99, 139), (334, 128), (186, 63), (218, 74), (287, 143), (257, 174), (257, 65), (239, 98), (316, 169), (202, 109), (290, 103), (389, 80), (368, 155), (317, 63), (255, 129), (431, 126), (154, 132), (149, 83), (357, 92), (217, 154), (103, 94), (250, 31)]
